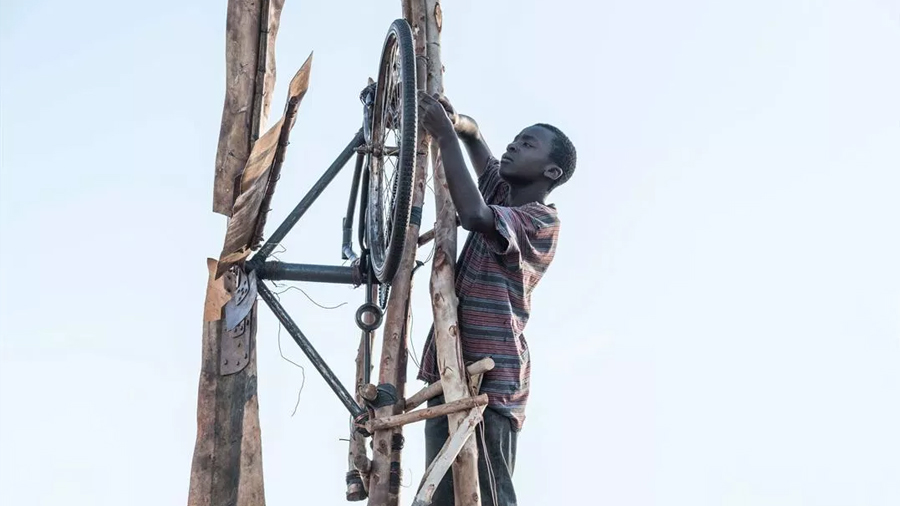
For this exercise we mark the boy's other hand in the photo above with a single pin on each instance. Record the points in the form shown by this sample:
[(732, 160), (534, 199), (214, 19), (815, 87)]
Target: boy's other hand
[(464, 125), (451, 111), (433, 115)]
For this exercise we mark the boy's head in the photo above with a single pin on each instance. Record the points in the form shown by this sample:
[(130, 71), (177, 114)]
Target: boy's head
[(540, 153)]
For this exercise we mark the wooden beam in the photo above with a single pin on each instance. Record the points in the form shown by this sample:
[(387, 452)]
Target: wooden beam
[(435, 389), (426, 238), (385, 476), (358, 462), (226, 469), (259, 177), (368, 392), (443, 289), (426, 413), (441, 463), (249, 81), (227, 463)]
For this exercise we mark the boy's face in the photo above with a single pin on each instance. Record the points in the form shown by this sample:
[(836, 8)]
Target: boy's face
[(527, 157)]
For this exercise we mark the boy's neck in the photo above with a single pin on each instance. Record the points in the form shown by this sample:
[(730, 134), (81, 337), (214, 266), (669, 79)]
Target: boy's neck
[(521, 195)]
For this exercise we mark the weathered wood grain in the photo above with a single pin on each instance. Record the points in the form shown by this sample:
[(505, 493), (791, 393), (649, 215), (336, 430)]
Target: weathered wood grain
[(443, 287), (259, 178), (441, 463), (433, 390), (384, 489), (418, 415), (227, 465), (248, 92)]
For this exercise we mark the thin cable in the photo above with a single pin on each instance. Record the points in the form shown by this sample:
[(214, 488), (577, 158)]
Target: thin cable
[(276, 253), (412, 345), (291, 287), (302, 371), (408, 474), (487, 460), (430, 254)]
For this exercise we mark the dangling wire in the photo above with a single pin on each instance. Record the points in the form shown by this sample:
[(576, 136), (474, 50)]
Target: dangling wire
[(302, 371), (487, 460), (412, 345), (278, 294), (287, 288)]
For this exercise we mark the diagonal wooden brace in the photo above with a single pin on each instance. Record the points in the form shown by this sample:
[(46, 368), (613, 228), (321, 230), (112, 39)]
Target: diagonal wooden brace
[(424, 414), (475, 370), (441, 463)]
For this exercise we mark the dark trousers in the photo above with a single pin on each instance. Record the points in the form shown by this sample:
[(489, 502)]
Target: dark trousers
[(496, 443)]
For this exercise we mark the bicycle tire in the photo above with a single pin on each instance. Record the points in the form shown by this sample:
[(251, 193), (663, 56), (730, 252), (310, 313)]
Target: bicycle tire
[(386, 233)]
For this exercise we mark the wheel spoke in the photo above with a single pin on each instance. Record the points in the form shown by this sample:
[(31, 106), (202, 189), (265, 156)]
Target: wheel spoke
[(391, 120)]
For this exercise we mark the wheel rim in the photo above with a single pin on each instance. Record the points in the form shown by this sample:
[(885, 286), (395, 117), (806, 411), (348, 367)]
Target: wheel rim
[(386, 153)]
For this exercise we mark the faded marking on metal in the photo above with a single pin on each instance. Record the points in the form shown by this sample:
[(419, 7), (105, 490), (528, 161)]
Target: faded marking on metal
[(234, 347), (240, 304)]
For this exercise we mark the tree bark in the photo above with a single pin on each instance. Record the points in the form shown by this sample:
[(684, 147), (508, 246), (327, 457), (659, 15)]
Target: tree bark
[(443, 286)]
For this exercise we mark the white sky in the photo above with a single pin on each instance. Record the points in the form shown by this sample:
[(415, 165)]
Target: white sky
[(721, 325)]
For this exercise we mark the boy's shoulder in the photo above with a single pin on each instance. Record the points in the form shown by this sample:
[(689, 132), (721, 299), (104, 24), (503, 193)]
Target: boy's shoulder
[(542, 216)]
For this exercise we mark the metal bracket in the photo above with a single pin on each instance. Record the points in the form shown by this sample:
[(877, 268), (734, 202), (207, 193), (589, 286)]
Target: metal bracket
[(238, 307), (234, 348)]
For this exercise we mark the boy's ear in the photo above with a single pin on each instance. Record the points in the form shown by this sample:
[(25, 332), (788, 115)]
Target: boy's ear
[(553, 172)]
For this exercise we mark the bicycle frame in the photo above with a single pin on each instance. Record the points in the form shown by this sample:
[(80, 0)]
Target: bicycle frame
[(357, 273)]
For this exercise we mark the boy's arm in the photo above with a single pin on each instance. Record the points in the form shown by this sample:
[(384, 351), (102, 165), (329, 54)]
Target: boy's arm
[(474, 213), (469, 133)]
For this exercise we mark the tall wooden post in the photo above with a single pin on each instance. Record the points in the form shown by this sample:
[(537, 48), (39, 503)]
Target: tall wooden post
[(443, 289), (227, 465), (385, 475)]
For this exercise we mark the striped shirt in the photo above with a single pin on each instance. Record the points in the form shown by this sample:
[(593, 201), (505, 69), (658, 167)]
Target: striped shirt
[(494, 280)]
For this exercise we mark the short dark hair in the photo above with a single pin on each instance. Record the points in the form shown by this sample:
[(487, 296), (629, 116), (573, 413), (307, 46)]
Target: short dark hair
[(562, 153)]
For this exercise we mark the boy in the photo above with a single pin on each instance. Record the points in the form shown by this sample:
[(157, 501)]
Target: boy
[(511, 243)]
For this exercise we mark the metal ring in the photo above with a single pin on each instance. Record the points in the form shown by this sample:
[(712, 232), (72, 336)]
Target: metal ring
[(372, 308)]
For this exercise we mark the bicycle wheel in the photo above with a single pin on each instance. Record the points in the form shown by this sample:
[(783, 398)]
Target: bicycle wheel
[(392, 152)]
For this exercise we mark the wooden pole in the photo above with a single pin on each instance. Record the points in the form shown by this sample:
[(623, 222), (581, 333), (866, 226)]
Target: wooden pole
[(250, 30), (426, 413), (441, 463), (443, 289), (227, 464), (433, 390), (385, 475), (358, 460)]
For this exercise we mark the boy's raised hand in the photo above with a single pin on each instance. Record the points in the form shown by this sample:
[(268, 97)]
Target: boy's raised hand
[(448, 107), (433, 113)]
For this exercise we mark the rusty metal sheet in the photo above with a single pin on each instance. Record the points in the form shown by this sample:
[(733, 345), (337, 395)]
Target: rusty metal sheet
[(260, 177), (249, 81)]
